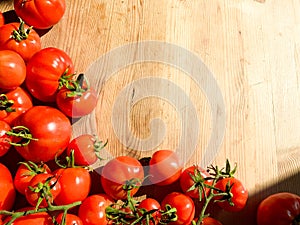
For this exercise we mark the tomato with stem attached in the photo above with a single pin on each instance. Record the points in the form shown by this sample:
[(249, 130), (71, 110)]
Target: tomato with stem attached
[(4, 138), (208, 221), (149, 205), (69, 219)]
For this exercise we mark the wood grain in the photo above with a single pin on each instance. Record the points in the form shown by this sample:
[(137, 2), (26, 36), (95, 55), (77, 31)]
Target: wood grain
[(252, 49)]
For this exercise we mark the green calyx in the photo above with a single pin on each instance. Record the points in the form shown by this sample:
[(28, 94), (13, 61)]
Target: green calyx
[(23, 133), (22, 33), (6, 104)]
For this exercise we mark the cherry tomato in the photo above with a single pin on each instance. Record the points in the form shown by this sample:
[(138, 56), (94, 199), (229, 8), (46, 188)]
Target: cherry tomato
[(42, 181), (8, 193), (25, 172), (13, 104), (282, 208), (20, 38), (75, 185), (184, 205), (92, 209), (12, 70), (4, 138), (119, 171), (41, 14), (2, 20), (239, 194), (51, 136), (164, 167), (192, 180), (209, 221), (45, 71), (70, 219), (86, 149), (149, 204)]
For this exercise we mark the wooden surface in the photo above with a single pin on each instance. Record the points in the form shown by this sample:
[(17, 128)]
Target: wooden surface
[(252, 49)]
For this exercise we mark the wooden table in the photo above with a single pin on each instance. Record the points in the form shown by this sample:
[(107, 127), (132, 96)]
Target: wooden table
[(252, 50)]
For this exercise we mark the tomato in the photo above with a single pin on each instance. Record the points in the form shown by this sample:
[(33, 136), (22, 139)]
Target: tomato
[(50, 190), (192, 180), (92, 209), (20, 38), (45, 71), (70, 219), (4, 138), (13, 104), (40, 14), (164, 167), (147, 205), (75, 185), (86, 149), (118, 172), (8, 193), (281, 208), (76, 100), (239, 194), (25, 172), (12, 70), (51, 136), (185, 208), (209, 221), (2, 20)]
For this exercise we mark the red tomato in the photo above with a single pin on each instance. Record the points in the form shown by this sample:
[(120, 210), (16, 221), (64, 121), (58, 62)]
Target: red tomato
[(2, 20), (12, 70), (41, 14), (184, 205), (192, 180), (164, 167), (117, 172), (13, 104), (52, 135), (209, 221), (70, 219), (75, 185), (86, 149), (25, 172), (239, 194), (279, 209), (45, 71), (147, 205), (92, 209), (20, 38), (49, 182), (4, 138), (8, 193)]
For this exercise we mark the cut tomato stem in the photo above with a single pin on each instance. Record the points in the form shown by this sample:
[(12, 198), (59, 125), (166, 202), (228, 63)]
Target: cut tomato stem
[(23, 133), (6, 104)]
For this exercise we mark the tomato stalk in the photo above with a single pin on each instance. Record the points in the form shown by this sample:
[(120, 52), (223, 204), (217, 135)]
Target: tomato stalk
[(22, 33), (23, 133), (6, 104)]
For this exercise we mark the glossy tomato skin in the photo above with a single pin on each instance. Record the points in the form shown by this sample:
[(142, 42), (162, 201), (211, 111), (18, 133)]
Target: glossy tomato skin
[(71, 219), (41, 14), (12, 70), (164, 167), (44, 70), (53, 133), (184, 205), (92, 209), (75, 185), (186, 181), (209, 221), (239, 194), (149, 204), (282, 208), (78, 106), (26, 47), (8, 193), (117, 172), (4, 138), (2, 20), (21, 103)]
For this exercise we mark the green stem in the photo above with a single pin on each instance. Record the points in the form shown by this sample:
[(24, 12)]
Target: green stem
[(23, 133)]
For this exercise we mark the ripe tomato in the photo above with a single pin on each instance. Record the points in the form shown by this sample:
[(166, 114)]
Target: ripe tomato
[(13, 104), (44, 181), (20, 38), (92, 209), (8, 193), (45, 71), (12, 70), (52, 135), (25, 172), (41, 14), (209, 221), (70, 219), (239, 194), (75, 185), (117, 172), (4, 138), (192, 180), (279, 209), (2, 20), (86, 149), (147, 205), (185, 208), (164, 167)]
